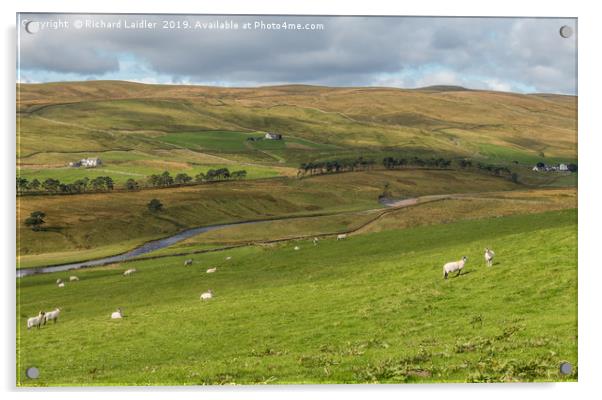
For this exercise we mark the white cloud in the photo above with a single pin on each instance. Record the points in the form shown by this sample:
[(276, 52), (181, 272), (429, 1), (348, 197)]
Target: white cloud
[(497, 85), (444, 77), (494, 53)]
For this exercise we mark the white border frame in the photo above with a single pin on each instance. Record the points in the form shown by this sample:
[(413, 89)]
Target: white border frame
[(590, 133)]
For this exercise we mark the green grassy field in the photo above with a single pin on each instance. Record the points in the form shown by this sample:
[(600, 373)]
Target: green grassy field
[(221, 141), (139, 171), (373, 308)]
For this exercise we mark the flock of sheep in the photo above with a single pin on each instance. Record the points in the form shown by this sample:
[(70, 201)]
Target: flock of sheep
[(43, 317)]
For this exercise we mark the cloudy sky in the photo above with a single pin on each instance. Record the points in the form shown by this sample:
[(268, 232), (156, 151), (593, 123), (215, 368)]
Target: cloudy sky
[(507, 54)]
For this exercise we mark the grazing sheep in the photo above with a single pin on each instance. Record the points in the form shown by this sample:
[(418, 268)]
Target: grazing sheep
[(73, 278), (207, 295), (62, 284), (52, 315), (315, 241), (59, 281), (211, 270), (117, 314), (342, 236), (454, 266), (228, 258), (129, 272), (188, 262), (297, 247), (489, 254), (36, 321)]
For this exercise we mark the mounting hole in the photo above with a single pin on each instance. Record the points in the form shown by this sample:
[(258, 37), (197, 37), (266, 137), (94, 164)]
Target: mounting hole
[(566, 31), (566, 368), (32, 373), (32, 27)]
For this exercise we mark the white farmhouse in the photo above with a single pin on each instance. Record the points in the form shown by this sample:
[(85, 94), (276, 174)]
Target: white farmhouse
[(563, 167), (273, 136), (91, 162)]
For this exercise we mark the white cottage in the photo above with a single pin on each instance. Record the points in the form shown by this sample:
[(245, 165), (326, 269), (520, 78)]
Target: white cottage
[(273, 136), (91, 162)]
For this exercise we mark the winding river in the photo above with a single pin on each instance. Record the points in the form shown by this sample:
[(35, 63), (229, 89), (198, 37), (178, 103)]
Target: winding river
[(178, 237), (138, 251)]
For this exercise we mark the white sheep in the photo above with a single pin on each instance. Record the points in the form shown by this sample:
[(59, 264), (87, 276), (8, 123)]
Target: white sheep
[(188, 262), (36, 321), (211, 270), (52, 315), (342, 236), (62, 284), (129, 272), (315, 241), (59, 281), (489, 254), (207, 295), (73, 278), (454, 266), (228, 258), (297, 247), (117, 314)]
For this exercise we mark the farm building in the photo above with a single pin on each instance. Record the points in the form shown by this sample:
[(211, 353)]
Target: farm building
[(548, 168), (86, 162), (273, 136)]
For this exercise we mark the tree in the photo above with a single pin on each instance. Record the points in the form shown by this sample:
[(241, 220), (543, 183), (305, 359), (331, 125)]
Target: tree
[(465, 163), (514, 177), (182, 178), (540, 165), (21, 184), (572, 167), (155, 205), (80, 185), (35, 220), (223, 173), (165, 179), (131, 184), (109, 182), (154, 180), (98, 183), (51, 185), (200, 177), (34, 185), (217, 174)]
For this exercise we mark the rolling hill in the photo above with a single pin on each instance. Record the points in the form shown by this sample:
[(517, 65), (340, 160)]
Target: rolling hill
[(98, 116)]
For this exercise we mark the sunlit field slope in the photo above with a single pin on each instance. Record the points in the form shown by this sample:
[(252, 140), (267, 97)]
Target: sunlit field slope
[(372, 308)]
